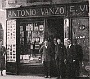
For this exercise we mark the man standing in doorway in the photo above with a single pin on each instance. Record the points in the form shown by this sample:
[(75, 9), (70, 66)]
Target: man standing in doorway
[(60, 57)]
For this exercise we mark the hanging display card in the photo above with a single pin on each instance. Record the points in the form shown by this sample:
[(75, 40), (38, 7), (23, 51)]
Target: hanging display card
[(27, 28), (11, 41), (41, 27), (21, 28), (31, 26), (36, 28)]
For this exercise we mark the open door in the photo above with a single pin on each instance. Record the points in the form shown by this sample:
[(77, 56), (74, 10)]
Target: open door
[(56, 28)]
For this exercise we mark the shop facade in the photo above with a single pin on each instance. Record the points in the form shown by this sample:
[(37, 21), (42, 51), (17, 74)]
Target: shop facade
[(28, 27)]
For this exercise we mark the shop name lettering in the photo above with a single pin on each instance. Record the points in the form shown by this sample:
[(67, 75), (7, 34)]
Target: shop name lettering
[(61, 10), (79, 10), (36, 12)]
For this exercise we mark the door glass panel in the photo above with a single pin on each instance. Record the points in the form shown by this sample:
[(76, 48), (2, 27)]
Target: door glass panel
[(31, 38)]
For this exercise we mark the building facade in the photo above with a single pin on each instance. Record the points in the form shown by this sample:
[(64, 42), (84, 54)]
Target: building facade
[(29, 22)]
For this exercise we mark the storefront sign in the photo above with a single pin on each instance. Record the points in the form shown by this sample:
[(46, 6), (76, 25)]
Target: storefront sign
[(39, 11), (77, 9)]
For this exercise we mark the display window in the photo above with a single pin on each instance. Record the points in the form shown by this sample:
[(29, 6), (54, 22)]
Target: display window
[(31, 38), (80, 31), (11, 40)]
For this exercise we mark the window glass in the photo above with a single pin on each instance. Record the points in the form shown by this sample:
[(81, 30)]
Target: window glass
[(31, 38)]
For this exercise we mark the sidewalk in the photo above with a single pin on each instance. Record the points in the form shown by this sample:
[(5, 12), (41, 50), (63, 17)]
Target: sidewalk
[(29, 77), (23, 77)]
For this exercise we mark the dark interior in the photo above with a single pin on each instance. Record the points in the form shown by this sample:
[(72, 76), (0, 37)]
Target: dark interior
[(56, 28)]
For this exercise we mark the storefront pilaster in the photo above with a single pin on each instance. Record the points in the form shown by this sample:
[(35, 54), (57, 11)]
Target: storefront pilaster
[(89, 38)]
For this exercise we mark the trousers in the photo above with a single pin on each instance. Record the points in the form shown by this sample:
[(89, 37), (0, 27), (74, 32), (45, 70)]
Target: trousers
[(73, 69), (61, 68), (47, 68)]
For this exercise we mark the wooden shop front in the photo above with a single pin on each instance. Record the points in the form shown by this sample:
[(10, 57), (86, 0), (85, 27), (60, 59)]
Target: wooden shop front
[(27, 27)]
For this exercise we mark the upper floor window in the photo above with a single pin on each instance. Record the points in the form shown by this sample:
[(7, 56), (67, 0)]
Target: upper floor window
[(11, 1), (32, 1)]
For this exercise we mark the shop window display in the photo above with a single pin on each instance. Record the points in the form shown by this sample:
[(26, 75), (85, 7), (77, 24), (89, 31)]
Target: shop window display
[(11, 41), (80, 31), (31, 38)]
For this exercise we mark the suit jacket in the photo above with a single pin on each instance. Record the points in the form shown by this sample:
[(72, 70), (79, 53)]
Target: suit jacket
[(60, 52), (79, 52), (2, 56), (47, 53), (74, 53)]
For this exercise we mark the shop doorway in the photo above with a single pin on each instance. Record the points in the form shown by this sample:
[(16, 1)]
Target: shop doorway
[(56, 28)]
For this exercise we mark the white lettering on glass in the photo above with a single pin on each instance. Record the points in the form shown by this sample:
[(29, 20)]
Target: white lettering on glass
[(57, 10), (72, 8), (22, 13), (33, 11), (18, 12), (51, 10), (82, 7), (62, 10)]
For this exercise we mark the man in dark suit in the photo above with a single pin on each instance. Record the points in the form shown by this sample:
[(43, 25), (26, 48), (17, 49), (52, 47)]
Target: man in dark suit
[(2, 56), (60, 58), (74, 56), (47, 56)]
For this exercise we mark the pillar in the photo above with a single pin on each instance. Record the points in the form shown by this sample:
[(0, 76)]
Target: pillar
[(89, 37)]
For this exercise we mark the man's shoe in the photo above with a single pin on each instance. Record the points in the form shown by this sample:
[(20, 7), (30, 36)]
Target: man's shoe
[(46, 76), (49, 76)]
